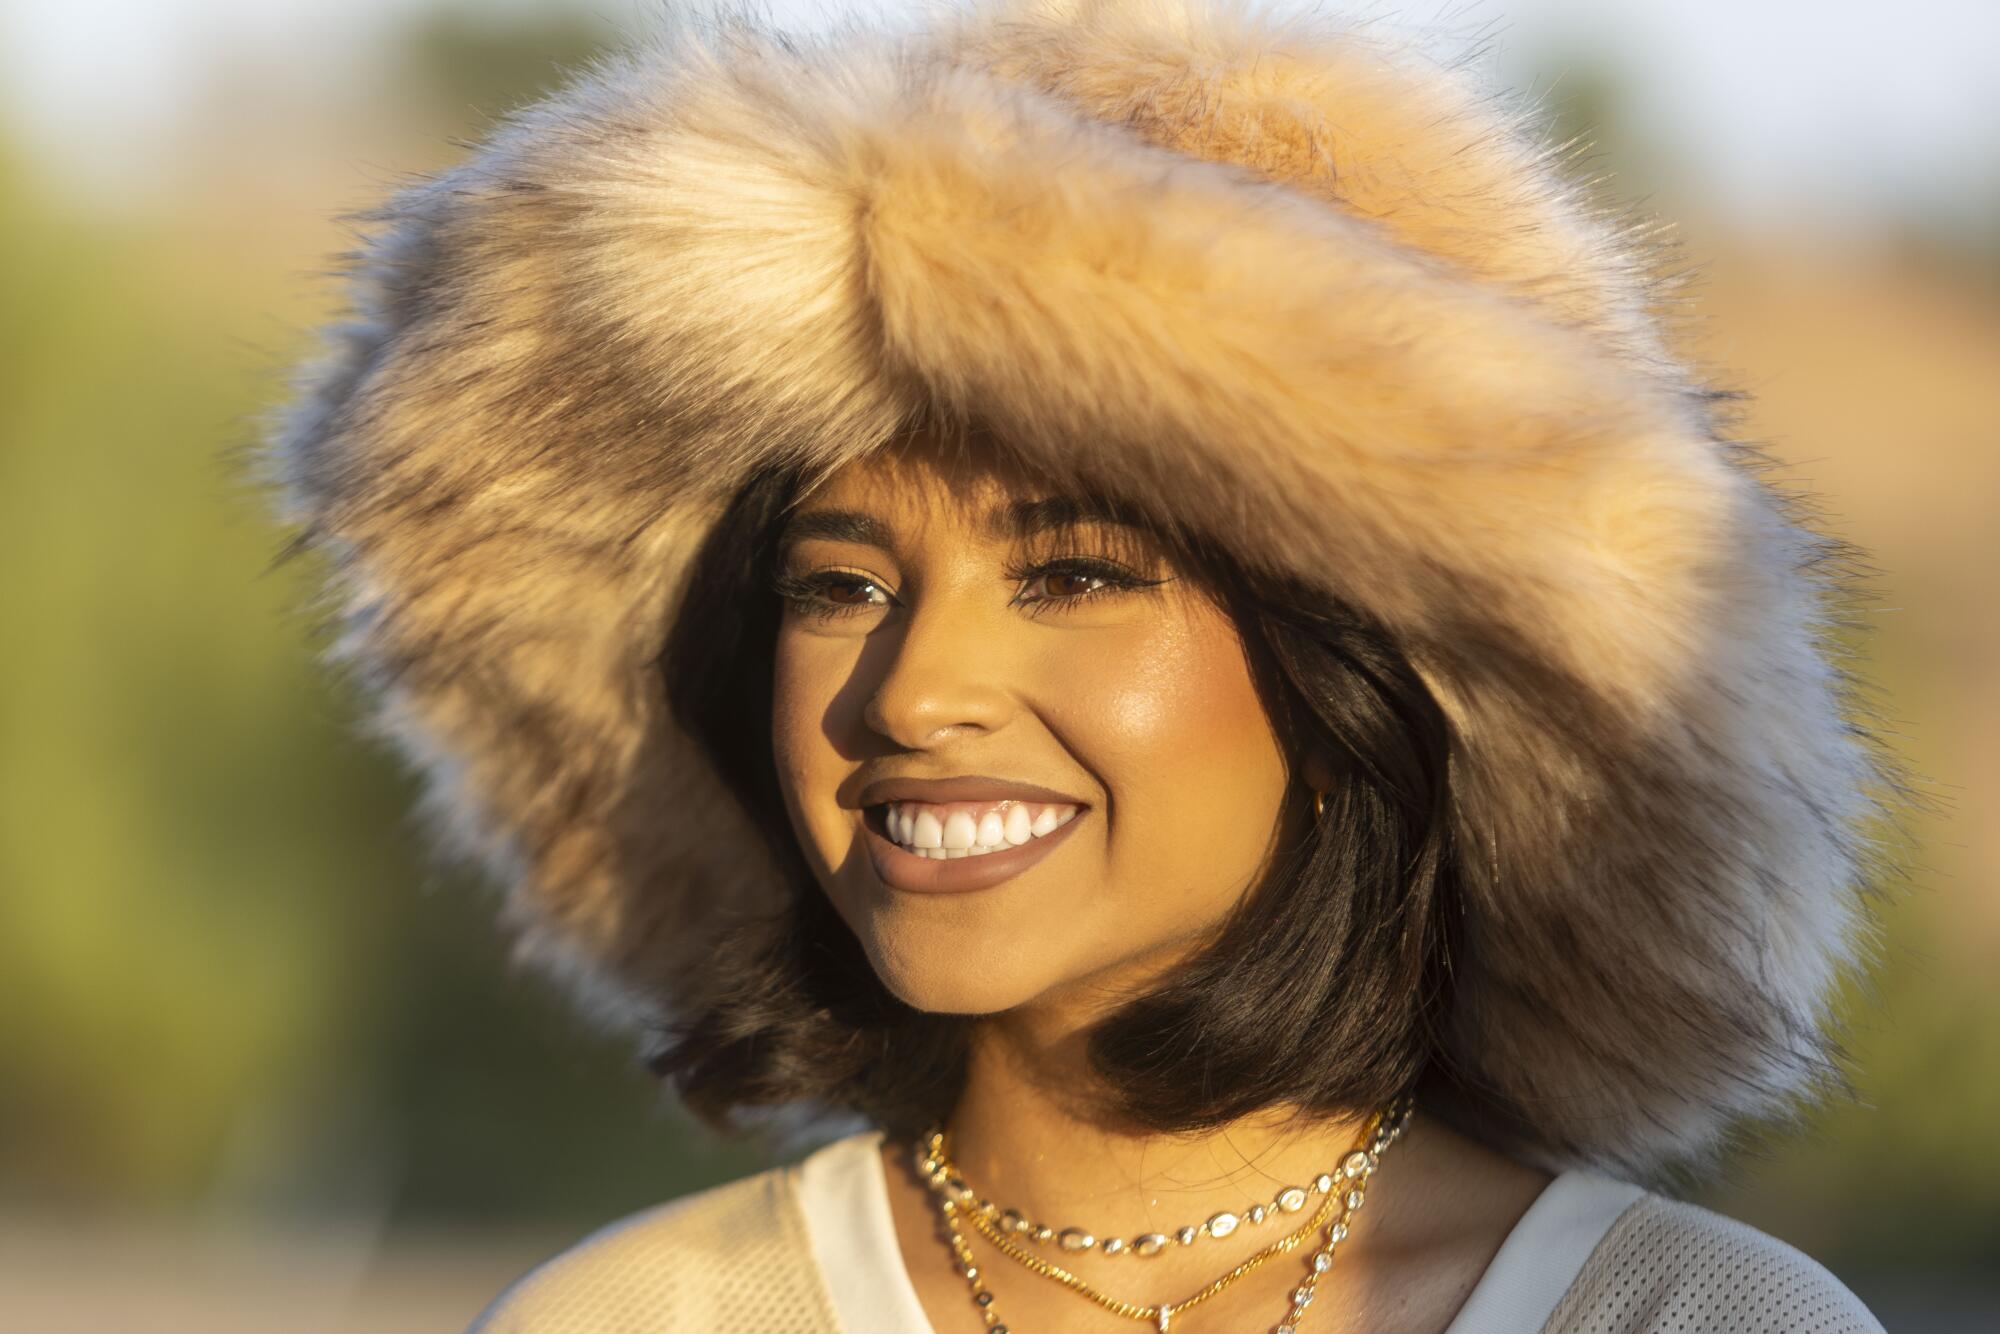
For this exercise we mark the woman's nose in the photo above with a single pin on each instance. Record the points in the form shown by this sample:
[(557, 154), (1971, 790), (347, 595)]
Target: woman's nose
[(944, 666)]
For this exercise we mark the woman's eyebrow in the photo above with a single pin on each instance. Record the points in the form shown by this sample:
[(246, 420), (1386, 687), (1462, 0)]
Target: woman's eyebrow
[(1019, 518), (836, 526)]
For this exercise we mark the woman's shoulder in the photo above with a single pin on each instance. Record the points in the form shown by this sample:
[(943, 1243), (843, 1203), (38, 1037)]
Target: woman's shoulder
[(732, 1256), (1665, 1264)]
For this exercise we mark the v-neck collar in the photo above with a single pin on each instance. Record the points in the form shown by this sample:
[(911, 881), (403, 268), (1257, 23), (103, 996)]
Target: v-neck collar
[(844, 1193)]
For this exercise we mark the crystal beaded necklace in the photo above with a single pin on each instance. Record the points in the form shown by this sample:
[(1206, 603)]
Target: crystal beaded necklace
[(1346, 1188)]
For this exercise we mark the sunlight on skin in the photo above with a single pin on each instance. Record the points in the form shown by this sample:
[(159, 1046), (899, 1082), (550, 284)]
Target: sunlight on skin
[(1137, 702), (946, 647)]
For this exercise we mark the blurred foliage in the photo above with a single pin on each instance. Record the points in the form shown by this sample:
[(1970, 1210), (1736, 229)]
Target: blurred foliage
[(222, 978), (224, 981)]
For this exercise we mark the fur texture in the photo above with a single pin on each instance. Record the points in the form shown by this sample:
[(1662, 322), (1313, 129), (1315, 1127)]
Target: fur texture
[(1280, 277)]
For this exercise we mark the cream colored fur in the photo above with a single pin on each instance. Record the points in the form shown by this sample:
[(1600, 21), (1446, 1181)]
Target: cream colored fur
[(1289, 280)]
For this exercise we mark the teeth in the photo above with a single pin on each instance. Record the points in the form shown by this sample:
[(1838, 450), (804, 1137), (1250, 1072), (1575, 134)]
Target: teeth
[(947, 834), (959, 831), (992, 830)]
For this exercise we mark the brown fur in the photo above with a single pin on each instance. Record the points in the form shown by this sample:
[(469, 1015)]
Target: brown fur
[(1281, 279)]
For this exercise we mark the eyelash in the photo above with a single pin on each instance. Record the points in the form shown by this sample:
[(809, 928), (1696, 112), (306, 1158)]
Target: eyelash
[(803, 592)]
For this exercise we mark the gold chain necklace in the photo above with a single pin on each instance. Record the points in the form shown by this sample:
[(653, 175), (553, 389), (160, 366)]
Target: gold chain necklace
[(1382, 1131), (932, 1166)]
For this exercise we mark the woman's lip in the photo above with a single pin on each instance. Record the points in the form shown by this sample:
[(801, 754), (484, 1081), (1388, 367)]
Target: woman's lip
[(964, 787), (952, 875)]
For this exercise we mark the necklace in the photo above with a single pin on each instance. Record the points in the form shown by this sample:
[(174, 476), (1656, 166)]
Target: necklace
[(937, 1171), (1383, 1130)]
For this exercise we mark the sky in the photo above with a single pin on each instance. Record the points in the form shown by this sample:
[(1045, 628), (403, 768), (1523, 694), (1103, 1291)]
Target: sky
[(1853, 108)]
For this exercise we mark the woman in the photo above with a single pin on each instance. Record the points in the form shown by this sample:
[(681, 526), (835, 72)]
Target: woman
[(1130, 594)]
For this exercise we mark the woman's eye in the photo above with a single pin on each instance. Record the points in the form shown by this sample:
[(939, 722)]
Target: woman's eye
[(1071, 582), (1067, 583), (1059, 585), (829, 593)]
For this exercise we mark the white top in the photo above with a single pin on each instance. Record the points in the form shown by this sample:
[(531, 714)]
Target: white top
[(1590, 1256), (845, 1197)]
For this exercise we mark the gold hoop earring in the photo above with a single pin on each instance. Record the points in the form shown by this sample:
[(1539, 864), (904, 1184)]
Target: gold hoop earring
[(1319, 803)]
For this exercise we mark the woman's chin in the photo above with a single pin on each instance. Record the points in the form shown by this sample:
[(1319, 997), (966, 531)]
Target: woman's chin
[(951, 982)]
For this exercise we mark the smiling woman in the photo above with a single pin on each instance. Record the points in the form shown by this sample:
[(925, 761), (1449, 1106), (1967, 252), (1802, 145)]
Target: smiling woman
[(1127, 591), (1003, 650), (1226, 788), (975, 657)]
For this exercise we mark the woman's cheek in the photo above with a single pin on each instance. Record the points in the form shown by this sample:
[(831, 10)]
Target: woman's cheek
[(1176, 731)]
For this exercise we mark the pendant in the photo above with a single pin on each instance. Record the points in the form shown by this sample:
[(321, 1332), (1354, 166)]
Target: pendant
[(1162, 1312)]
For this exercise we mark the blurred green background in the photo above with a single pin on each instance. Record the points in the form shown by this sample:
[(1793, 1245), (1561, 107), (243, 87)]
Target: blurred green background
[(266, 1072)]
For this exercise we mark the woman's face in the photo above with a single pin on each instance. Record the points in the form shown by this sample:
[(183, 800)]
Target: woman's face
[(930, 633)]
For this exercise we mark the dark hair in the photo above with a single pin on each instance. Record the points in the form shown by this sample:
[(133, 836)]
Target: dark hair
[(1327, 986)]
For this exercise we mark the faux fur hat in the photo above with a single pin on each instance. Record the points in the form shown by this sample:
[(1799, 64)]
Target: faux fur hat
[(1283, 278)]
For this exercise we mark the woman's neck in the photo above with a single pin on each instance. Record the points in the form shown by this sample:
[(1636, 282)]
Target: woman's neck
[(1435, 1216), (1024, 1139)]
